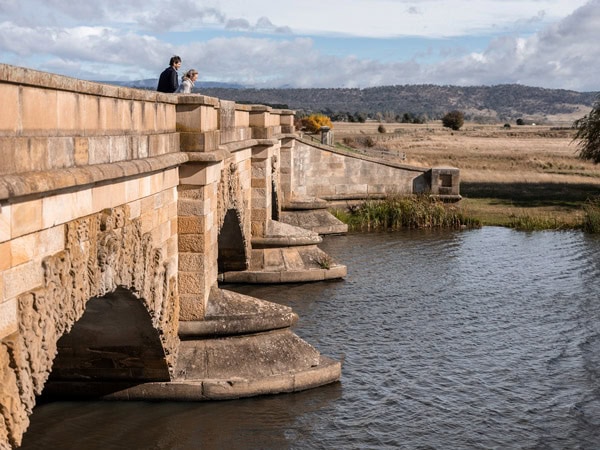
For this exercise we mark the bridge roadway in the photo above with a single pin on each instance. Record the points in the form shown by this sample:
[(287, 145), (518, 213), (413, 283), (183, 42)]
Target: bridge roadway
[(122, 209)]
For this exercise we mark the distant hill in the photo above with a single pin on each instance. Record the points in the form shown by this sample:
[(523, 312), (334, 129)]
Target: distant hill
[(504, 102)]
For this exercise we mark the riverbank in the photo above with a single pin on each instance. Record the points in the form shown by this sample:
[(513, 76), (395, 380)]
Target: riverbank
[(507, 173)]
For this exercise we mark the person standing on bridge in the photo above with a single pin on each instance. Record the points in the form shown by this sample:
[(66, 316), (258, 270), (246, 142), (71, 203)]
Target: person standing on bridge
[(187, 82), (168, 80)]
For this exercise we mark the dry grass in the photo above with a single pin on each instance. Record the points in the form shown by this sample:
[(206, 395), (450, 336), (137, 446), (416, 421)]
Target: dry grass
[(517, 170)]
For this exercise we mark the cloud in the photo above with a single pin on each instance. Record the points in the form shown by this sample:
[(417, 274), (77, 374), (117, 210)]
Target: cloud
[(563, 55), (133, 40)]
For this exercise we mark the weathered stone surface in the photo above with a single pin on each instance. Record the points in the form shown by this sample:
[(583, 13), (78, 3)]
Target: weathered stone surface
[(248, 356), (230, 313), (319, 221)]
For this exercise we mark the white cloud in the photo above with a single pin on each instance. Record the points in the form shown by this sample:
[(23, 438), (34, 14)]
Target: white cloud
[(129, 40)]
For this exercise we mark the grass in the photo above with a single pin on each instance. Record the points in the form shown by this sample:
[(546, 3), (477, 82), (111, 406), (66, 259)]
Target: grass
[(524, 177)]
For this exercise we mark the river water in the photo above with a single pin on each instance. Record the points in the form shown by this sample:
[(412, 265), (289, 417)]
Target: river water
[(478, 339)]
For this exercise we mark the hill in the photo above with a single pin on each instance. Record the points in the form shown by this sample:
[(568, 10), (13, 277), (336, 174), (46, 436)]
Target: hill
[(507, 102)]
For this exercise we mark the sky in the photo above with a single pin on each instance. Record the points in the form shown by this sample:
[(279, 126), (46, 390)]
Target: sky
[(332, 44)]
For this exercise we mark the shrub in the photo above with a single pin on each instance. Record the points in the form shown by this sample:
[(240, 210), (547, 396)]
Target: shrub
[(507, 125), (520, 122), (453, 120), (314, 122), (381, 129)]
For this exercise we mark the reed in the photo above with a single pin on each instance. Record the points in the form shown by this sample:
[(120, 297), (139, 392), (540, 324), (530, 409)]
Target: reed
[(399, 212), (591, 218)]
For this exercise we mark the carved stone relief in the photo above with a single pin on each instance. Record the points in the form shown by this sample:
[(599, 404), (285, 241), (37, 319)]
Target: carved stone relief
[(102, 252)]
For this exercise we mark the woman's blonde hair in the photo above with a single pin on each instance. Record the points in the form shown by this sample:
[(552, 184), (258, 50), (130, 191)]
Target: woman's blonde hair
[(190, 73)]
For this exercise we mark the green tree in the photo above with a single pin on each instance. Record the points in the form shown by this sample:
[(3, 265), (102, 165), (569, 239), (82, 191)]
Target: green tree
[(454, 120), (588, 134)]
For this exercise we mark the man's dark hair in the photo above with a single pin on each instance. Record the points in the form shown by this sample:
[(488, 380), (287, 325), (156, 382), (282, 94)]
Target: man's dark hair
[(174, 59)]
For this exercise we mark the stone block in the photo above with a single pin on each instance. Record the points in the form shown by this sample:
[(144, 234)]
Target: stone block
[(26, 217), (116, 194), (191, 262), (9, 113), (60, 153), (68, 111), (39, 110), (136, 115), (190, 224), (191, 207), (5, 259), (23, 278), (120, 148), (194, 243), (190, 283), (99, 150), (273, 260), (189, 118), (302, 276), (101, 197), (81, 151), (191, 306), (148, 117), (50, 241), (5, 222), (15, 157), (89, 107), (23, 249), (8, 317)]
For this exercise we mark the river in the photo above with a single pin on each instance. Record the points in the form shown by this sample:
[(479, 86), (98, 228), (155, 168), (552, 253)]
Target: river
[(477, 339)]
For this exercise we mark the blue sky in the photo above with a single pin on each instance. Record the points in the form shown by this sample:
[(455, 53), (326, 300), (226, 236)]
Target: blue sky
[(340, 43)]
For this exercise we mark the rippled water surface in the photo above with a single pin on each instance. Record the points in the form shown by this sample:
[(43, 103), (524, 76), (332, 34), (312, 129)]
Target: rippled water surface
[(476, 339)]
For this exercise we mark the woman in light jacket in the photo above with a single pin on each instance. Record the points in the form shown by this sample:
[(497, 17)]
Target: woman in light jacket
[(187, 82)]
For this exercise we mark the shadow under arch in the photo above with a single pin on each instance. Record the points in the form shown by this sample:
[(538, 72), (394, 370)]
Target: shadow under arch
[(232, 249), (274, 201), (113, 346)]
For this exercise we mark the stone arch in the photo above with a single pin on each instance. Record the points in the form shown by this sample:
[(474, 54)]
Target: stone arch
[(103, 252), (111, 347), (234, 227), (232, 252)]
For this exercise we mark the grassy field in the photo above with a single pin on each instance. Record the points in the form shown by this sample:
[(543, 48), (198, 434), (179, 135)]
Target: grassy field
[(521, 171)]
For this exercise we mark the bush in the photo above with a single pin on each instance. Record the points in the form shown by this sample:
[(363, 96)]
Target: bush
[(381, 129), (314, 122), (453, 120), (507, 125), (520, 122)]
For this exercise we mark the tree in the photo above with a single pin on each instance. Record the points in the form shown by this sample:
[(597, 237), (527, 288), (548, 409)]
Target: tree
[(314, 122), (454, 120), (588, 134)]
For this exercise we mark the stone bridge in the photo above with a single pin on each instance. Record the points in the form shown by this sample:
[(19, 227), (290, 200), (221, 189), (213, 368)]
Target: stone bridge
[(122, 209)]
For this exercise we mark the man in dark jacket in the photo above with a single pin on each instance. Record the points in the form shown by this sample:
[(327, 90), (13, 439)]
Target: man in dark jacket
[(168, 81)]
